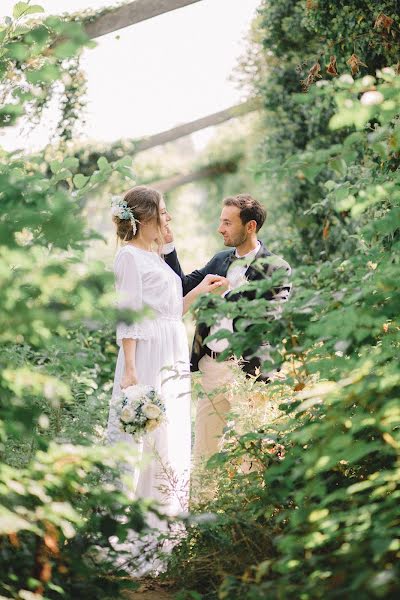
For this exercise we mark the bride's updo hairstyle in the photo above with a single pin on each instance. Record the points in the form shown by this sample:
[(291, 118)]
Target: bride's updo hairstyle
[(144, 203)]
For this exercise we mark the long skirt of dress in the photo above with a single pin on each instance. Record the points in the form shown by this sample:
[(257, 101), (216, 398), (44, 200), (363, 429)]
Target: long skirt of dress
[(162, 361)]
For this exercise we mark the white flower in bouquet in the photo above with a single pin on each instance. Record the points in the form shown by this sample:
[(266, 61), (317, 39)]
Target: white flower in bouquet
[(133, 392), (152, 425), (141, 410), (151, 411), (127, 414)]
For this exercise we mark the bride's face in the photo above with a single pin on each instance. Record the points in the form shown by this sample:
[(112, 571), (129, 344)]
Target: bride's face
[(165, 217), (151, 230)]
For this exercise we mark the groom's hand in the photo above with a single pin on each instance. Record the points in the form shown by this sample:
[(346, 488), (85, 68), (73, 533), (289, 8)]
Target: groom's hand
[(215, 284), (223, 286), (168, 235)]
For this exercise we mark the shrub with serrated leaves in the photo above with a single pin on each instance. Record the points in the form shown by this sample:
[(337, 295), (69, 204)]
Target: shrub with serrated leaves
[(324, 485), (60, 489)]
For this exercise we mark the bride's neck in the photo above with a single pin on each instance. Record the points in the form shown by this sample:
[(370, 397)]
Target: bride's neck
[(143, 244)]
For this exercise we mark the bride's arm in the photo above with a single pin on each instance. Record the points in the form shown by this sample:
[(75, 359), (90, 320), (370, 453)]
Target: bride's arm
[(210, 283), (189, 299), (130, 376), (129, 297), (190, 281)]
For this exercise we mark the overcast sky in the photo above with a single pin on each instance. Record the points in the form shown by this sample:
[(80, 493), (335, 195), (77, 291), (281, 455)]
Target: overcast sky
[(159, 73)]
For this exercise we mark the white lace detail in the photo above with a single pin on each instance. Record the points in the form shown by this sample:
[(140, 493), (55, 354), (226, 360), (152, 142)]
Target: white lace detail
[(137, 331)]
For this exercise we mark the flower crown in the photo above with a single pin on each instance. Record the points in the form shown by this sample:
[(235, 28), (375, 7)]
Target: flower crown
[(120, 209)]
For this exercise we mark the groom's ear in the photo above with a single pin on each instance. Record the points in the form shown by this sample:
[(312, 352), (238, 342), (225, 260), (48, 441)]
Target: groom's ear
[(252, 226)]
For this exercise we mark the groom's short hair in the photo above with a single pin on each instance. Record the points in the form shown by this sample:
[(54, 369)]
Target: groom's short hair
[(250, 208)]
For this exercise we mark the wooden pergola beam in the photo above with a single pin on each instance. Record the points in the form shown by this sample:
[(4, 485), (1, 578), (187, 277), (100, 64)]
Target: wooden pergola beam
[(129, 14), (132, 147), (175, 133), (171, 183)]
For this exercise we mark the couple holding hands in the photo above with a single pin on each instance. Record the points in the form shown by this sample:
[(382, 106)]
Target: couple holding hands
[(154, 350)]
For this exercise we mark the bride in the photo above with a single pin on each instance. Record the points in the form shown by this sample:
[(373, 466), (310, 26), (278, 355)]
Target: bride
[(154, 350)]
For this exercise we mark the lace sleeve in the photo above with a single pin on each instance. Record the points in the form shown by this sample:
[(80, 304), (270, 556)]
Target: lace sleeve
[(134, 332), (129, 297)]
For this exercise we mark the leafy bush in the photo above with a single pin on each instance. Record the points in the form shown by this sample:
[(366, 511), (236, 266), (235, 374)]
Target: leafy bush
[(315, 516), (61, 496)]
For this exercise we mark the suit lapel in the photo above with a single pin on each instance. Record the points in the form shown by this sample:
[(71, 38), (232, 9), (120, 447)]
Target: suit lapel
[(227, 263), (251, 272), (254, 272)]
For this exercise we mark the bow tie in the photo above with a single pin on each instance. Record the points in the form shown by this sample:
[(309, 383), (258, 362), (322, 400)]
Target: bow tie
[(232, 258)]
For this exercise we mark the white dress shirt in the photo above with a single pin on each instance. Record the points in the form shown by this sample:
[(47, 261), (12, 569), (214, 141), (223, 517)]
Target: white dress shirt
[(236, 278)]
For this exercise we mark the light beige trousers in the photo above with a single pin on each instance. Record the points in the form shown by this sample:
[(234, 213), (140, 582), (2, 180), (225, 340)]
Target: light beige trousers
[(212, 408)]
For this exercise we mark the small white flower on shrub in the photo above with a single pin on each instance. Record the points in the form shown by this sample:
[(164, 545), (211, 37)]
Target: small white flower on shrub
[(371, 98)]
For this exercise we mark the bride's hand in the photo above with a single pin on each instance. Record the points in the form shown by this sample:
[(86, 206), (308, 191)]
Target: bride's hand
[(129, 378), (213, 283), (210, 284)]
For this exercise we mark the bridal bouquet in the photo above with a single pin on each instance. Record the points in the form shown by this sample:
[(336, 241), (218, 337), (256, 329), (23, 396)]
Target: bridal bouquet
[(142, 410)]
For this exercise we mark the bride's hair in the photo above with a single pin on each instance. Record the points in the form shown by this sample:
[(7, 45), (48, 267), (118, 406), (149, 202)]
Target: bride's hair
[(144, 203)]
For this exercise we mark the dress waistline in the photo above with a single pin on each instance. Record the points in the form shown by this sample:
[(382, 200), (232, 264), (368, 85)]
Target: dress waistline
[(168, 318)]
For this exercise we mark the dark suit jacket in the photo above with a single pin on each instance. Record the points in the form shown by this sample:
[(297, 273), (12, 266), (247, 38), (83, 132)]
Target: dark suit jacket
[(219, 265)]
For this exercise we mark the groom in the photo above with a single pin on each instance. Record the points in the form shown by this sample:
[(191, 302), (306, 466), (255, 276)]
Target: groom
[(242, 217)]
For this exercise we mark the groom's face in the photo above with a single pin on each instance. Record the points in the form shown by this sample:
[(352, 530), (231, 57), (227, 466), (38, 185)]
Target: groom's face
[(231, 227)]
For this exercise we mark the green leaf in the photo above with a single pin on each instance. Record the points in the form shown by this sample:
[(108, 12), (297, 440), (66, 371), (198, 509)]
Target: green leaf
[(103, 163), (71, 162), (63, 174), (21, 29), (354, 138), (311, 171), (80, 181), (35, 8), (218, 459), (55, 166), (359, 487), (46, 74), (338, 165), (39, 35), (66, 49), (318, 514), (18, 51), (10, 522), (125, 161), (9, 114), (21, 9)]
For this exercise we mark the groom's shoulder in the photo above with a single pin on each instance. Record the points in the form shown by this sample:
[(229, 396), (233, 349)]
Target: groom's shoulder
[(221, 256), (274, 262)]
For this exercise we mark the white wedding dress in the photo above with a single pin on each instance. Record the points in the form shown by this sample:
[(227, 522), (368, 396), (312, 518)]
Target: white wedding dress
[(143, 279)]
